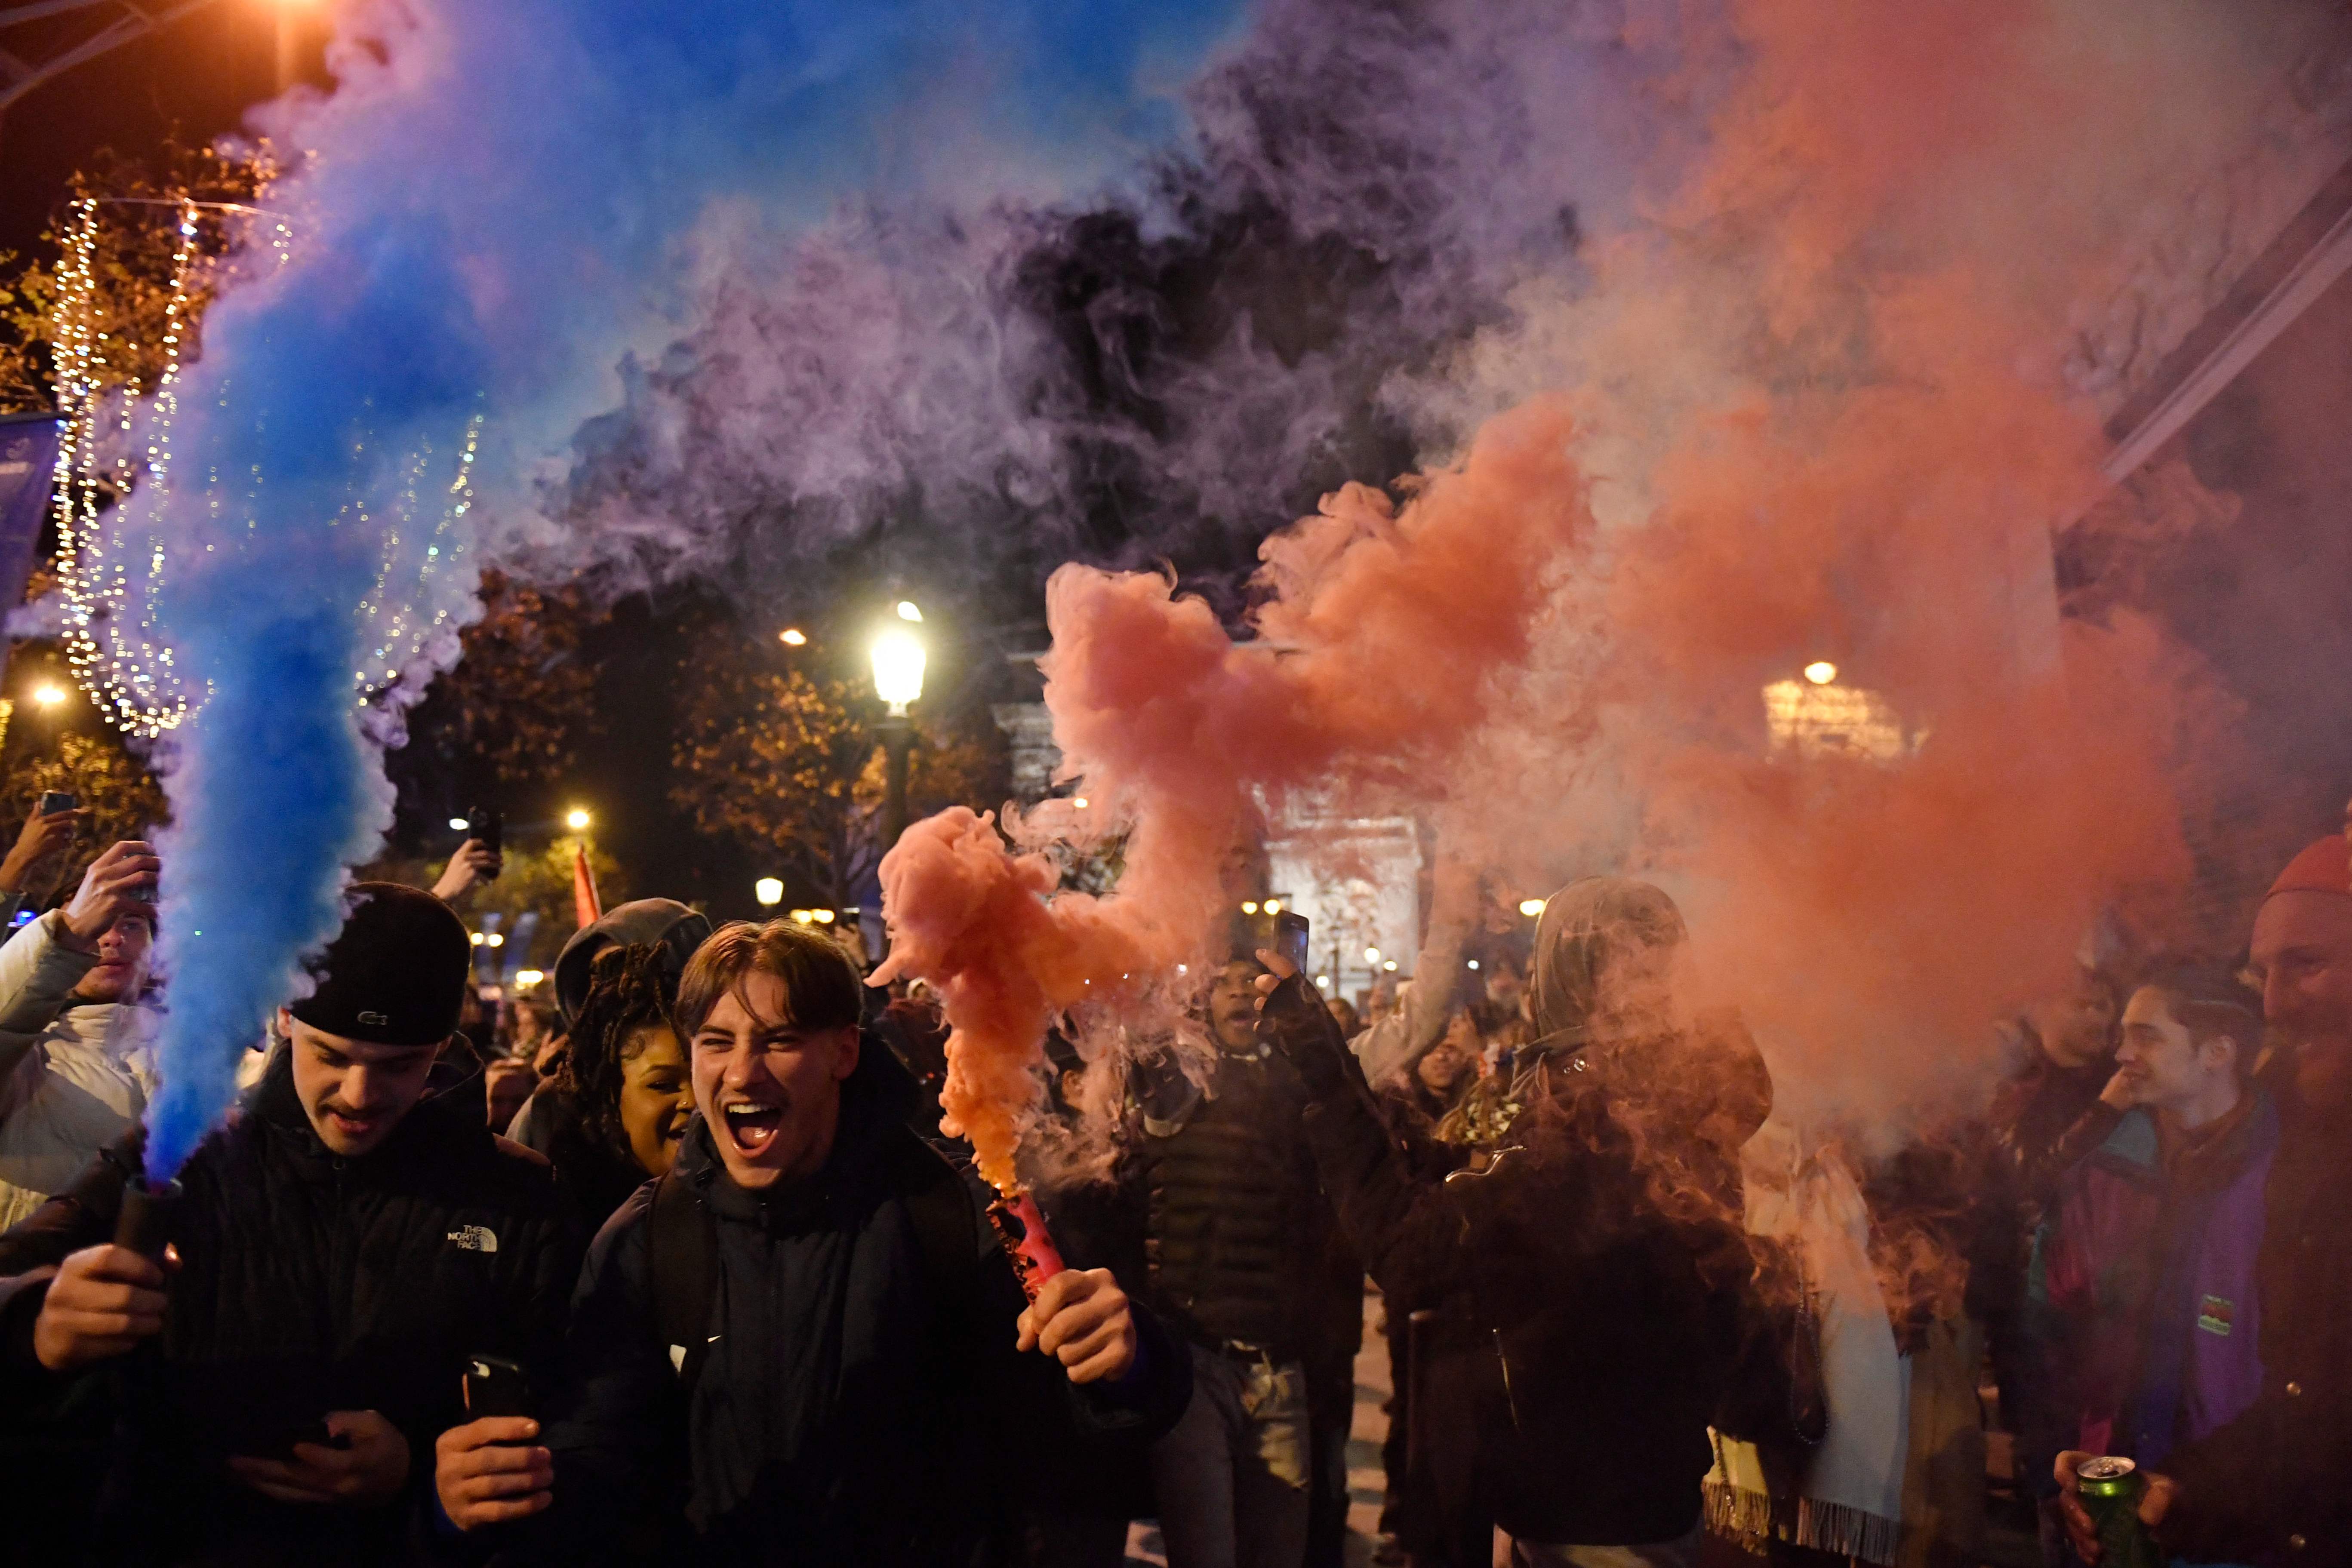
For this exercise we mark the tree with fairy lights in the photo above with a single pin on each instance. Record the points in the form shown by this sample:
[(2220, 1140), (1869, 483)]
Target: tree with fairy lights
[(789, 764), (138, 262)]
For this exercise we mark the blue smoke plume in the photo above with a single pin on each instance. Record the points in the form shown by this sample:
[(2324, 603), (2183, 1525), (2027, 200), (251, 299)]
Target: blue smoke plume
[(501, 200)]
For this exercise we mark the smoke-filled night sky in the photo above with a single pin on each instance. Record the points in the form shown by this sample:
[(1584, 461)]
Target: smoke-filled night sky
[(1722, 336)]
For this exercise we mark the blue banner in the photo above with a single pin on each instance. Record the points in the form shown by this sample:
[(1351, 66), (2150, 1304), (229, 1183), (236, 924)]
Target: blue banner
[(28, 456)]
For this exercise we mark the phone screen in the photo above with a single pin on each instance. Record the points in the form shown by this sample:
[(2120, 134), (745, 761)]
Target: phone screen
[(1290, 939), (496, 1386)]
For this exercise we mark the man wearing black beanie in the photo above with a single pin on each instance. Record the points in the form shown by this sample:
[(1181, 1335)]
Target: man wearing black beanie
[(346, 1244)]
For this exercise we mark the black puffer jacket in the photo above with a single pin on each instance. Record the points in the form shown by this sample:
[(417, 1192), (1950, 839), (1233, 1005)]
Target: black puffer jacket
[(309, 1283), (1234, 1221), (856, 1404)]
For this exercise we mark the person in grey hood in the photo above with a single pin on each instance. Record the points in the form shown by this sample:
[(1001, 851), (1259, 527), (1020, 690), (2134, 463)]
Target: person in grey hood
[(665, 922)]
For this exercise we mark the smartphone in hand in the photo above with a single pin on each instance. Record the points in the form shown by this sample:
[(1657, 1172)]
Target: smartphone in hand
[(56, 800), (487, 829), (1290, 939), (496, 1386)]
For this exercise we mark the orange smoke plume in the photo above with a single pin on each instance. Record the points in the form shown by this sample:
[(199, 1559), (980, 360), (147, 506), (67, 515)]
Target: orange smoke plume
[(1826, 406), (1368, 674)]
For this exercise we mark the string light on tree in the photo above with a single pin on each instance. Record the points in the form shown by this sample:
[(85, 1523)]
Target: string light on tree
[(114, 476)]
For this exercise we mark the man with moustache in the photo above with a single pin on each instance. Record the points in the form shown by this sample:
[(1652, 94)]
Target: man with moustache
[(2275, 1485), (804, 1345), (344, 1245)]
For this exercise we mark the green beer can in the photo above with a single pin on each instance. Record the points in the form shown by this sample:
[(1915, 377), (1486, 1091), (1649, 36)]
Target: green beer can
[(2110, 1491)]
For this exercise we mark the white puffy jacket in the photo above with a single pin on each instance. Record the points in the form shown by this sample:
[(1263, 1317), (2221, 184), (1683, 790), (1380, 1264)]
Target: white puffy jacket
[(74, 1076)]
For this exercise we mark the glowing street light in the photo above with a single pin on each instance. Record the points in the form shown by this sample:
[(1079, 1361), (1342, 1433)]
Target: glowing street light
[(1531, 907), (1273, 906), (577, 818), (1249, 906), (769, 891), (1371, 955), (495, 940), (898, 668), (530, 977), (822, 917), (459, 824), (793, 637), (898, 660), (1389, 965), (907, 611), (1820, 671), (48, 695)]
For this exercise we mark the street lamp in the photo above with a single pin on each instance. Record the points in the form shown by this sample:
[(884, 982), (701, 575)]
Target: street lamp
[(1531, 907), (48, 695), (289, 44), (1820, 671), (577, 820), (769, 891), (899, 681)]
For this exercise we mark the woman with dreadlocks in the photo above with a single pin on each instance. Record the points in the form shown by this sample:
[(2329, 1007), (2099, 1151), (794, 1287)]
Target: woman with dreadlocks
[(1590, 1294), (612, 1116)]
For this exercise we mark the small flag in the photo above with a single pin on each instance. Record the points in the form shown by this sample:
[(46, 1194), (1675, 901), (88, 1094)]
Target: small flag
[(589, 907)]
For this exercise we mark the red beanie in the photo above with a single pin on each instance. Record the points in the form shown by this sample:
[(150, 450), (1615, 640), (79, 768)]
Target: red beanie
[(2324, 866)]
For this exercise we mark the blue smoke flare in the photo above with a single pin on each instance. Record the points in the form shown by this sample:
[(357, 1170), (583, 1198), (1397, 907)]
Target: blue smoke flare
[(501, 199)]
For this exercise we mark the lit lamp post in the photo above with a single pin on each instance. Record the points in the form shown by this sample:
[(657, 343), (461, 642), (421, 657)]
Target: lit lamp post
[(289, 21), (769, 891), (897, 681)]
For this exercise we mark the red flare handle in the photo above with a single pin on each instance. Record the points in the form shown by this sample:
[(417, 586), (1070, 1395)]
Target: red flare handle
[(1021, 1231)]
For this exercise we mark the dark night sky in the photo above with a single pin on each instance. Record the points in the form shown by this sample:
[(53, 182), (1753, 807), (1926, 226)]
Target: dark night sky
[(194, 78)]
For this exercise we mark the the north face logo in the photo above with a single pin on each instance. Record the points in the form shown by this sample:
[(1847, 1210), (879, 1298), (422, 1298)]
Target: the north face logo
[(474, 1238)]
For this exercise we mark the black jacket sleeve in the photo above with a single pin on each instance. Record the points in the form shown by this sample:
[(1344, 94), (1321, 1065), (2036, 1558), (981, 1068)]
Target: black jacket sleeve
[(616, 1422), (1402, 1223), (2225, 1479), (81, 1216)]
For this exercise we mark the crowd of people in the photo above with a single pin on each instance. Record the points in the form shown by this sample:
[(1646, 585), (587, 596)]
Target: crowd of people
[(678, 1261)]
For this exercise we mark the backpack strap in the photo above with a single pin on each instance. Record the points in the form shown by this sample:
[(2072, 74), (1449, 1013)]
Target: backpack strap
[(684, 1255), (940, 1204), (940, 1208)]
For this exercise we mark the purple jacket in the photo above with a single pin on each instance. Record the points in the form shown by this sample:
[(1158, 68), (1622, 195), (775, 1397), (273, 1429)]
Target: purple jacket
[(2144, 1279)]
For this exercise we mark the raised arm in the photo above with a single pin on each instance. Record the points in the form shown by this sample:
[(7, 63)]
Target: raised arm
[(1405, 1036)]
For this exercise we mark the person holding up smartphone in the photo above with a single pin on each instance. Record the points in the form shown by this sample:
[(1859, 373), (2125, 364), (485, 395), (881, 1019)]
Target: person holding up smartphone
[(36, 861), (76, 1059)]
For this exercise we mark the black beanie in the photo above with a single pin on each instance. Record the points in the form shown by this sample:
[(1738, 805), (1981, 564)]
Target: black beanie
[(396, 973)]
